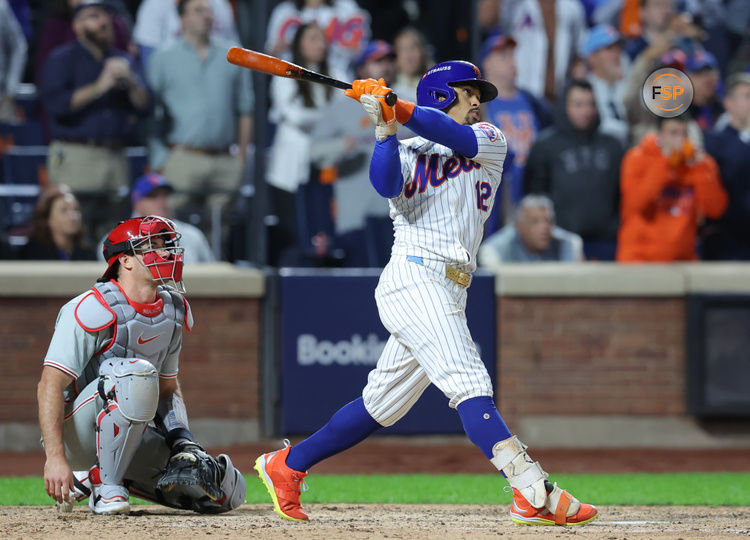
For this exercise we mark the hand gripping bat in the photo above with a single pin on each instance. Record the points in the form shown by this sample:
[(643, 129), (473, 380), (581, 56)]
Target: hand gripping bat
[(281, 68)]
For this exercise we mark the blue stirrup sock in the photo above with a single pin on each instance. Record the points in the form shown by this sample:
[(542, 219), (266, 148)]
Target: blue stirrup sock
[(350, 425), (482, 423)]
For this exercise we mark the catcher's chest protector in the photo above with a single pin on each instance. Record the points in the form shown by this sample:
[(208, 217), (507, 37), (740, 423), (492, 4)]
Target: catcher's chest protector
[(149, 332)]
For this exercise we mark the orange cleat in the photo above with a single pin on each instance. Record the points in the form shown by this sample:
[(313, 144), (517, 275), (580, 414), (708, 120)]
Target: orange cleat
[(283, 484), (522, 513)]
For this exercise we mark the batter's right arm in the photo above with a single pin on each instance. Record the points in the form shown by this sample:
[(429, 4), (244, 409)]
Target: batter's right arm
[(58, 476), (385, 168)]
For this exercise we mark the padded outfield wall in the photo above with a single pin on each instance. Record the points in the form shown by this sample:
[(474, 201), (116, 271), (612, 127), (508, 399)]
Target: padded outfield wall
[(586, 355)]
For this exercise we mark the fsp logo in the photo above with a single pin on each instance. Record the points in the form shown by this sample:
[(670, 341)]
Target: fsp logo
[(667, 92)]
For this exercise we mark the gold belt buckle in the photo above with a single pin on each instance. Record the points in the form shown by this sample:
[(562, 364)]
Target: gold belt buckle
[(462, 278)]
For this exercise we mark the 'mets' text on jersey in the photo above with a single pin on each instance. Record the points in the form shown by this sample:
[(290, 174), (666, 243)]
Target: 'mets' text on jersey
[(446, 197)]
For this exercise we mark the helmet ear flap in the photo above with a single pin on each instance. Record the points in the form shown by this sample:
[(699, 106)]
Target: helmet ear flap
[(440, 97)]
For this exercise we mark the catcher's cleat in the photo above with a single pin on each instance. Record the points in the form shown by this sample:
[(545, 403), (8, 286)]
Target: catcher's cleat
[(81, 490), (283, 484), (109, 499), (562, 513)]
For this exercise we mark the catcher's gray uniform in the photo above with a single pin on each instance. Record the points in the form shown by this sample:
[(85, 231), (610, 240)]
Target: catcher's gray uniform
[(113, 346)]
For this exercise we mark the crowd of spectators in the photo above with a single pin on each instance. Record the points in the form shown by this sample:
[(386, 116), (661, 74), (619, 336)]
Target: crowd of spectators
[(591, 173)]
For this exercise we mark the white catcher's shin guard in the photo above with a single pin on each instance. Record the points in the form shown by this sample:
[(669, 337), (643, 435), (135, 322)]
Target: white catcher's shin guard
[(117, 440), (523, 473), (133, 393)]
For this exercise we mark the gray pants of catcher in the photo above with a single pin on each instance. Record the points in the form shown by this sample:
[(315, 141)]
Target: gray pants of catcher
[(79, 437)]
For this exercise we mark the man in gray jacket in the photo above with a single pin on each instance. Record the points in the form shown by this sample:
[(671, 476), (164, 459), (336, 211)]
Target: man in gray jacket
[(533, 237)]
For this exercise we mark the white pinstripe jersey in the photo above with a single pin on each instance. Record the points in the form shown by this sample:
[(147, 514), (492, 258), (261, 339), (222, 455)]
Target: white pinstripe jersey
[(446, 198)]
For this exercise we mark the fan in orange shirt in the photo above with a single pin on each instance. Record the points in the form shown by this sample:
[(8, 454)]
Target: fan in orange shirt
[(667, 187)]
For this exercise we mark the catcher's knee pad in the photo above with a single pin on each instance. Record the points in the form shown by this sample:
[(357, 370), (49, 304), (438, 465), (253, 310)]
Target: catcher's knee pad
[(135, 384), (131, 388)]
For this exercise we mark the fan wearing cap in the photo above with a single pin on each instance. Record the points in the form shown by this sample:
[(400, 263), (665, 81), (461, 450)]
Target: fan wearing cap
[(703, 70), (111, 369), (516, 111), (607, 67), (151, 195), (93, 94)]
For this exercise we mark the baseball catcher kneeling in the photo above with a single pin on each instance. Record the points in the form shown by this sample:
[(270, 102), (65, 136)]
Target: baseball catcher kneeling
[(110, 406)]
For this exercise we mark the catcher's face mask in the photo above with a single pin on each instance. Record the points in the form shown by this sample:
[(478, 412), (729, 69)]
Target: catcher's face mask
[(157, 242)]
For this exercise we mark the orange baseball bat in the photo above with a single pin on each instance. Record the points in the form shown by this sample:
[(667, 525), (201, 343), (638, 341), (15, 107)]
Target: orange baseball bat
[(281, 68)]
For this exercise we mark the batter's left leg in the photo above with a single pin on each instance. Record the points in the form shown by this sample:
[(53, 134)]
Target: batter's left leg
[(401, 384), (283, 471)]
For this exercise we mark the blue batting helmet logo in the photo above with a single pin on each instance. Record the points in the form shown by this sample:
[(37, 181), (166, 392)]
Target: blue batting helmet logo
[(435, 89)]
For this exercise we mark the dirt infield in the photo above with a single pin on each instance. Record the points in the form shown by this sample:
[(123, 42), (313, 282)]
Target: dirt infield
[(394, 455), (334, 522)]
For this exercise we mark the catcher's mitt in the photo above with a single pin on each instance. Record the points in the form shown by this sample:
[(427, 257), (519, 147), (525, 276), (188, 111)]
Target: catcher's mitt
[(191, 480)]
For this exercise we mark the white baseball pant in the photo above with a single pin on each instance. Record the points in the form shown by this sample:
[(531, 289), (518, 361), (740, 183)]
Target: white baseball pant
[(430, 341)]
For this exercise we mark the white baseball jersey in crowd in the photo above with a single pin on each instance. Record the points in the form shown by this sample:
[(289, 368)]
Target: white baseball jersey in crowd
[(438, 222), (157, 22), (347, 28)]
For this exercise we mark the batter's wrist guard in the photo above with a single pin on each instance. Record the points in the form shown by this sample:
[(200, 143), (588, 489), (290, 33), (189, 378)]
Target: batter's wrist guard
[(404, 110)]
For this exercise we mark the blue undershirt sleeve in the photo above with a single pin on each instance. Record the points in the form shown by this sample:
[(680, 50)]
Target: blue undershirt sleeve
[(437, 126), (385, 168)]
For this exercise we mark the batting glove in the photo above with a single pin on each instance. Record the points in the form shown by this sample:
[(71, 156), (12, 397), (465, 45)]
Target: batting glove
[(363, 86), (378, 111)]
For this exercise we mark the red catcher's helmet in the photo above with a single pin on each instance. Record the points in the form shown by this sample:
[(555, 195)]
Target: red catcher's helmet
[(153, 237)]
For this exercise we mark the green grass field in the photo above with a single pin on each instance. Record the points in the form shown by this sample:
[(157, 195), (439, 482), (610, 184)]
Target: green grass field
[(712, 489)]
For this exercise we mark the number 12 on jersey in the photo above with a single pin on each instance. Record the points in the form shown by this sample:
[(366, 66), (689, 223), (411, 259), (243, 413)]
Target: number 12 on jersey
[(484, 190)]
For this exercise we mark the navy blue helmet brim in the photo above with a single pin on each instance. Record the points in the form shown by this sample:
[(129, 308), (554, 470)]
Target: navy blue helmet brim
[(487, 90)]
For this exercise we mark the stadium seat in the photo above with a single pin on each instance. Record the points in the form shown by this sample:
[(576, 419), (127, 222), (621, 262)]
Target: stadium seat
[(25, 165), (22, 133), (27, 103), (17, 203), (138, 161)]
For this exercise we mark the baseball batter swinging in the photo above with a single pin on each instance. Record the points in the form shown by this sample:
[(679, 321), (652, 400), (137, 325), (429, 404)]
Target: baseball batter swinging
[(111, 370), (441, 186)]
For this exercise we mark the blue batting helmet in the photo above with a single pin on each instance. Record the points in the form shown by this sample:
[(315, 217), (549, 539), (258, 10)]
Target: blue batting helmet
[(439, 80)]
